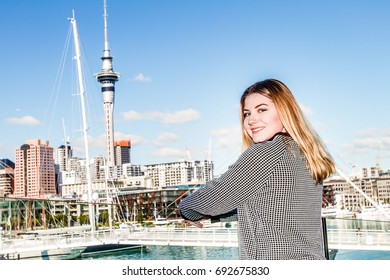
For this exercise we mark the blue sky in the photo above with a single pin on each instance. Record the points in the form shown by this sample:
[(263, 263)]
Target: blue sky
[(183, 67)]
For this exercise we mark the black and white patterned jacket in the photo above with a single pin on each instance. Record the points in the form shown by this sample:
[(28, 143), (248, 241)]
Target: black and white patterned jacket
[(277, 202)]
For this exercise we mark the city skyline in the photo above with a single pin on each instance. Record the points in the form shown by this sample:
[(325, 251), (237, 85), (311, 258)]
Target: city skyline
[(183, 67)]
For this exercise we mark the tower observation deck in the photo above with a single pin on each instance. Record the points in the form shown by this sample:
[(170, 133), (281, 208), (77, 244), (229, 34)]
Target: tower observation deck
[(107, 78)]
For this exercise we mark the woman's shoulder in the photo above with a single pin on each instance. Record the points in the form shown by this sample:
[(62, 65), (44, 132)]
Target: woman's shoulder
[(279, 142), (271, 149)]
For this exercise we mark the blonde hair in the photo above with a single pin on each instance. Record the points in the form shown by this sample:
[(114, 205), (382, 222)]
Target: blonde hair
[(319, 162)]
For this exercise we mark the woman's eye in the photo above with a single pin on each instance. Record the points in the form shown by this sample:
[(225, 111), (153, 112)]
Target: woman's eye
[(246, 115)]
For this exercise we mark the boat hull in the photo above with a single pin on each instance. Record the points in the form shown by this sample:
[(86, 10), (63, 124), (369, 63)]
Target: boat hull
[(44, 254), (108, 249)]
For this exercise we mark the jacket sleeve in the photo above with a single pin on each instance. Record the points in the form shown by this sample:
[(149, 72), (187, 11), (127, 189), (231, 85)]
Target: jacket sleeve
[(227, 217), (244, 178)]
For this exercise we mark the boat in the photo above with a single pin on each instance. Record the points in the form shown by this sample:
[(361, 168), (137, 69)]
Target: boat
[(65, 243), (70, 242), (48, 244), (42, 253), (373, 213), (112, 240), (159, 221), (336, 212), (329, 212)]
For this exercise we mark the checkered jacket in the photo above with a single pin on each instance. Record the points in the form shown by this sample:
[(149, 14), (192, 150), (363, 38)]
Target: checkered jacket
[(277, 202)]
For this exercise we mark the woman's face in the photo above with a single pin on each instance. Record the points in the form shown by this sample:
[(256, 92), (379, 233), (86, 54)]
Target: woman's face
[(261, 120)]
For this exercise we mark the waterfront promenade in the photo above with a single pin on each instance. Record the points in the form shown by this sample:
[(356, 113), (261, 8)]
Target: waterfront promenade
[(337, 239), (342, 238)]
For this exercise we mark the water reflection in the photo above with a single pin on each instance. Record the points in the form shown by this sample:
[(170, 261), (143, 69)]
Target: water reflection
[(357, 224)]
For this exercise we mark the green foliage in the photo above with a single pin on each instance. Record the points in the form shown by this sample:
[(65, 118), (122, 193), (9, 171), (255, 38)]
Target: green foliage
[(84, 219), (140, 218), (62, 219), (103, 218)]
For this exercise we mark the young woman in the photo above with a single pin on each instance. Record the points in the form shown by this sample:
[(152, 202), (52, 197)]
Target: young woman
[(274, 188)]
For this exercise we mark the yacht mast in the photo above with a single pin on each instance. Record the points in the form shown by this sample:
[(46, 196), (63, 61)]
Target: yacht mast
[(85, 126)]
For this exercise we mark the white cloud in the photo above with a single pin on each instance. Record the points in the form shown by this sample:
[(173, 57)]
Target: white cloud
[(97, 145), (166, 137), (169, 152), (132, 116), (183, 116), (26, 120), (219, 132), (226, 147), (228, 138), (177, 117), (134, 139), (94, 143), (142, 78), (306, 110), (369, 140)]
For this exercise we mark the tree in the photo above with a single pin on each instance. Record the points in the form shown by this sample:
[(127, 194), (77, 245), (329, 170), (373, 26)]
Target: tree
[(84, 219), (140, 217), (103, 217)]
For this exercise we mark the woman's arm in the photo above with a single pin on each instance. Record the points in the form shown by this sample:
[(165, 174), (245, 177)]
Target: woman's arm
[(248, 175)]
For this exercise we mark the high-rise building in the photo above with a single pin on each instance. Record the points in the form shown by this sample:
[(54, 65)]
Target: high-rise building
[(178, 173), (34, 170), (6, 181), (63, 154), (6, 163), (6, 177), (122, 152), (107, 78)]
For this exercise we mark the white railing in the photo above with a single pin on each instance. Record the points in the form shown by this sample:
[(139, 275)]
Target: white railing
[(359, 239), (186, 237), (344, 238)]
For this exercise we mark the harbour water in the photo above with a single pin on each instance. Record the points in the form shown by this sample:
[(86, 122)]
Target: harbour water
[(217, 253), (231, 253)]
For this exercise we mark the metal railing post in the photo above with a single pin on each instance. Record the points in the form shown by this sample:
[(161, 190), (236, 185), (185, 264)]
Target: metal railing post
[(325, 237)]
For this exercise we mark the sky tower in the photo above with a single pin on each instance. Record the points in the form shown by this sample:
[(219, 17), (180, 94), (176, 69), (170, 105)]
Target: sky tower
[(107, 78)]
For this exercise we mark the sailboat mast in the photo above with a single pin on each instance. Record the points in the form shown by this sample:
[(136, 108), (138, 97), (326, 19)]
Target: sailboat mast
[(66, 145), (85, 126)]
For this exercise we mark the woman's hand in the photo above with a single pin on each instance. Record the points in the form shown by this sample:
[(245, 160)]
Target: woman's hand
[(194, 223), (198, 223)]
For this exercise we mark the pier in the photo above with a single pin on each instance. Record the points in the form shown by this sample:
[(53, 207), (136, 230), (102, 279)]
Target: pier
[(342, 234), (221, 237)]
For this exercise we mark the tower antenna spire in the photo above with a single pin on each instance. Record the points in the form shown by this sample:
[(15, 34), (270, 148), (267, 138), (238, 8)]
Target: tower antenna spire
[(107, 78), (106, 49)]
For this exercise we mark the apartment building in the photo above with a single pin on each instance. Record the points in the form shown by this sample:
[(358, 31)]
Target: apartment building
[(372, 181), (6, 181), (122, 152), (383, 186), (177, 173), (6, 177), (34, 170), (63, 154)]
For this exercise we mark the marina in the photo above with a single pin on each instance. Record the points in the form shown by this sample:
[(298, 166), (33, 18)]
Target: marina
[(217, 253), (66, 245), (347, 238), (121, 221)]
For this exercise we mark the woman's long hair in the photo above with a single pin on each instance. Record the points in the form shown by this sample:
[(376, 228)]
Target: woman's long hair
[(319, 162)]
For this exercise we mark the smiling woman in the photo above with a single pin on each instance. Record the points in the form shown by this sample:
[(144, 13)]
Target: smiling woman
[(261, 120), (274, 188)]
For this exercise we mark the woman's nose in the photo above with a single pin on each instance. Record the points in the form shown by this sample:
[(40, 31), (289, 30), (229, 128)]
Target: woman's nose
[(252, 119)]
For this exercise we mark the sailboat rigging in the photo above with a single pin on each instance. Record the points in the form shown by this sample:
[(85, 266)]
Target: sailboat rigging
[(84, 117)]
